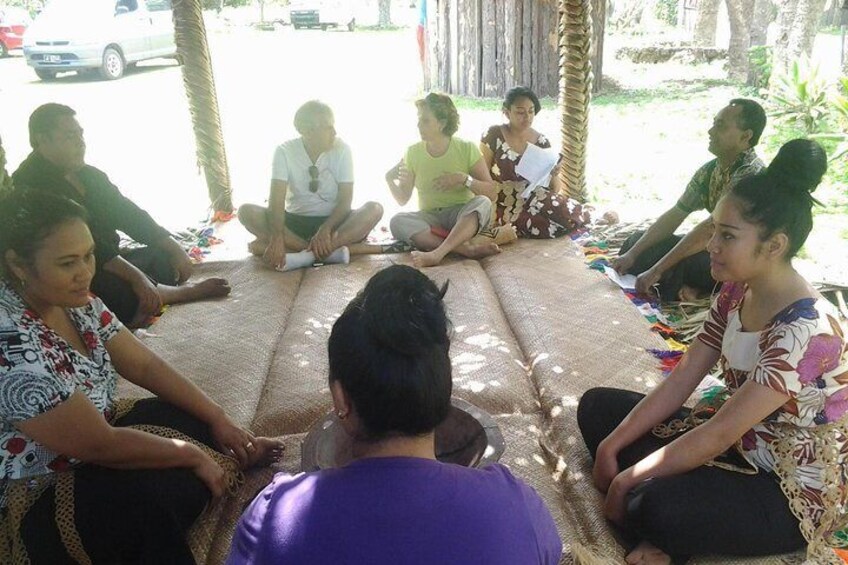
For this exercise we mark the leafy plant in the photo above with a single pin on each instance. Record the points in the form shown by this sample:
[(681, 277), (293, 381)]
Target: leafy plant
[(839, 104), (666, 11), (759, 70), (800, 95)]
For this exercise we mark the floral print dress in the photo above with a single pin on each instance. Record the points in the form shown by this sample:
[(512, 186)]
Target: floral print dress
[(544, 215), (802, 353), (39, 370)]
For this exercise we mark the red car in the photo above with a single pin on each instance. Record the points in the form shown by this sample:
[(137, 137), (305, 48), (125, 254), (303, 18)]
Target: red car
[(13, 23)]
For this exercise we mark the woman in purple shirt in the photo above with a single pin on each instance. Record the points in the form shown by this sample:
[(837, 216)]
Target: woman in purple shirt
[(390, 378)]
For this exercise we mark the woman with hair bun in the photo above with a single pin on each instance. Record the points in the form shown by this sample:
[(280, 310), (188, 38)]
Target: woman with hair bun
[(390, 379), (757, 467)]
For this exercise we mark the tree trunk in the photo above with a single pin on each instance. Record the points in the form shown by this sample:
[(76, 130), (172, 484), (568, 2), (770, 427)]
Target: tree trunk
[(844, 53), (739, 12), (785, 15), (576, 90), (705, 23), (193, 53), (760, 21), (797, 22), (804, 27), (385, 19), (759, 30), (599, 20), (628, 13)]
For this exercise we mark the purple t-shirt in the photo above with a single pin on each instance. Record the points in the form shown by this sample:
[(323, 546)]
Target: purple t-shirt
[(397, 510)]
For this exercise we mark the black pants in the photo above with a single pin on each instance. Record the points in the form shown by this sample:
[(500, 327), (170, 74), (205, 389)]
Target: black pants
[(693, 271), (117, 293), (705, 511), (138, 517)]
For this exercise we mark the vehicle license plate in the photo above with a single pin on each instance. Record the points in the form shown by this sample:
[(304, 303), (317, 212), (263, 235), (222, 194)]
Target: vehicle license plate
[(52, 58)]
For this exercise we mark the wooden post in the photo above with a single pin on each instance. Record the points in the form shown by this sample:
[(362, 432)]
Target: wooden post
[(193, 52), (527, 43), (510, 54), (575, 93), (490, 60)]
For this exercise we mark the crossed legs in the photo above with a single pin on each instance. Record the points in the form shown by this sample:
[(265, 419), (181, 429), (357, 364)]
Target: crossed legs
[(352, 231), (465, 222)]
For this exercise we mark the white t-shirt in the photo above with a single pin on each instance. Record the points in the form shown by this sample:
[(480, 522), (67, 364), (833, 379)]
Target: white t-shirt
[(291, 164)]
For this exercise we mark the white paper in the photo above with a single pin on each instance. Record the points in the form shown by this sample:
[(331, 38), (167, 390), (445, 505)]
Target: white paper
[(536, 165), (627, 282)]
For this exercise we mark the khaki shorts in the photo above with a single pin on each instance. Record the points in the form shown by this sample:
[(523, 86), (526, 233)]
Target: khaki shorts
[(407, 224)]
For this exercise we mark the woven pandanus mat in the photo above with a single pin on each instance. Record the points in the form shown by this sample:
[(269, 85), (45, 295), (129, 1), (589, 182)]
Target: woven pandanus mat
[(488, 368), (296, 391), (225, 345)]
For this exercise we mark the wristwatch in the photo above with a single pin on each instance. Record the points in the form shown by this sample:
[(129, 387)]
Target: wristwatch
[(468, 180)]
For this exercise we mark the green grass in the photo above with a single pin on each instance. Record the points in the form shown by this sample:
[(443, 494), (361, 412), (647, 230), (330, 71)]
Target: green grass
[(493, 104), (670, 91), (376, 28)]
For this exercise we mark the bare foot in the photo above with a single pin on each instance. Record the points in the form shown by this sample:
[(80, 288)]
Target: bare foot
[(422, 259), (258, 246), (478, 250), (266, 451), (505, 234), (687, 294), (647, 554), (210, 288)]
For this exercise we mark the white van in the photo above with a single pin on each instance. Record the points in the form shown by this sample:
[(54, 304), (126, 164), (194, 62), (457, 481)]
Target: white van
[(102, 36)]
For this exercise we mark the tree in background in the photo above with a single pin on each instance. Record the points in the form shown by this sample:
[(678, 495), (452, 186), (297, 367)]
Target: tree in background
[(798, 22), (706, 21), (385, 13)]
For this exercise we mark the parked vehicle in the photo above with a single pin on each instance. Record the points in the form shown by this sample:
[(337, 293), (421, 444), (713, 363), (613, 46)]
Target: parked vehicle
[(13, 23), (322, 14), (102, 36)]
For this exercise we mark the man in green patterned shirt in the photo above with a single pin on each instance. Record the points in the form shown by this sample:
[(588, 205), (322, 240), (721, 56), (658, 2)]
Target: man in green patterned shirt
[(680, 265)]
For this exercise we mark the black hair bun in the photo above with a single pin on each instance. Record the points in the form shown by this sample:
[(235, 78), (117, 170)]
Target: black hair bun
[(403, 311), (799, 166)]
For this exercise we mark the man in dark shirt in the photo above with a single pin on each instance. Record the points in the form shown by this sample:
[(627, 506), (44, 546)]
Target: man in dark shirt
[(134, 284), (680, 265)]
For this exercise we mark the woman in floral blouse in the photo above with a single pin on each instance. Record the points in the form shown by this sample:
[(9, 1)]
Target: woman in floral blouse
[(545, 213), (85, 477), (745, 471)]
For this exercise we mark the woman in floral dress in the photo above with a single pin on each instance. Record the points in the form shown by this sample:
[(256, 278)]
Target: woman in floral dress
[(545, 213), (86, 477), (758, 467)]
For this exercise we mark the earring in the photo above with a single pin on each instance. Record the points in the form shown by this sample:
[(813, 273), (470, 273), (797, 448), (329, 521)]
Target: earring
[(23, 284), (341, 414)]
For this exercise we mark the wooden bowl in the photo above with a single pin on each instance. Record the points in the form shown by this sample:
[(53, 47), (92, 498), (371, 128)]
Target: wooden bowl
[(469, 436)]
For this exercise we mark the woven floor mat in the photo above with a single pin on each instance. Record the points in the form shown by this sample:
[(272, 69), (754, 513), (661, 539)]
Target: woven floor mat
[(225, 345), (533, 329), (489, 369)]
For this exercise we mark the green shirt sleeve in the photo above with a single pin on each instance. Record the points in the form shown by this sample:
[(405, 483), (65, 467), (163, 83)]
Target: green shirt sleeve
[(695, 196), (474, 154)]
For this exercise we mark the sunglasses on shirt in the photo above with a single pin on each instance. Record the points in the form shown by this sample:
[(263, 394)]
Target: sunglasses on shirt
[(313, 175)]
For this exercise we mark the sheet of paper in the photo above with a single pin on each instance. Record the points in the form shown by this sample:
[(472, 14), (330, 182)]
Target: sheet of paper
[(536, 165), (627, 282)]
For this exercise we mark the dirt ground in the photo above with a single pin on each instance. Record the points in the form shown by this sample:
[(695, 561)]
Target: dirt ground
[(642, 149)]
